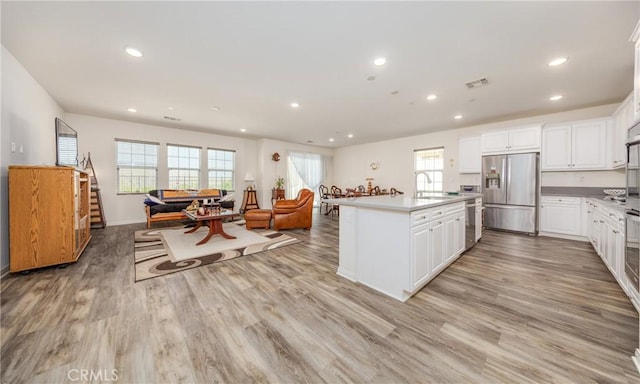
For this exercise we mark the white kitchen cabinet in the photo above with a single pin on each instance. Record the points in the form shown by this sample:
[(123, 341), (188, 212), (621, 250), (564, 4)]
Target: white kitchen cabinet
[(438, 246), (454, 234), (574, 146), (469, 155), (560, 214), (622, 119), (606, 233), (523, 139), (420, 243)]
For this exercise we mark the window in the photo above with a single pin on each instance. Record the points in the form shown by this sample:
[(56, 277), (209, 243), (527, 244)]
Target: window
[(183, 164), (304, 170), (429, 169), (137, 166), (222, 165)]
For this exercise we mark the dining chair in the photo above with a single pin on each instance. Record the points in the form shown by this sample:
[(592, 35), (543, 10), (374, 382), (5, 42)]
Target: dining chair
[(394, 192), (323, 193), (336, 193), (376, 190), (360, 188)]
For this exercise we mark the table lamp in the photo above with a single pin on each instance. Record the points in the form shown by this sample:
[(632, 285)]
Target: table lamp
[(249, 179)]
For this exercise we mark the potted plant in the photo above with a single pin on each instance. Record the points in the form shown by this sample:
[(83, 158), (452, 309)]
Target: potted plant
[(279, 183)]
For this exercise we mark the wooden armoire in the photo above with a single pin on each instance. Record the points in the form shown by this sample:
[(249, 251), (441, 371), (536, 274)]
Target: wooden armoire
[(49, 220)]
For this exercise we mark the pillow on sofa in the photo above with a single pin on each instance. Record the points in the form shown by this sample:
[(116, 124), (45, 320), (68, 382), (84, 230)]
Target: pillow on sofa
[(152, 200), (228, 197)]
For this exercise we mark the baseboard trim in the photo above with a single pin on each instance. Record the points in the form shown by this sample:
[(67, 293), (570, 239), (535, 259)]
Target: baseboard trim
[(564, 236), (636, 359), (346, 274)]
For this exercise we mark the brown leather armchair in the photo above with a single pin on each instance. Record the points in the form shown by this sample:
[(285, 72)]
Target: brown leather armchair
[(296, 213)]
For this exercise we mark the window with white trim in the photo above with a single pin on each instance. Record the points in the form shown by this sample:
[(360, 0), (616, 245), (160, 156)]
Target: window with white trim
[(429, 170), (183, 164), (221, 168), (137, 166)]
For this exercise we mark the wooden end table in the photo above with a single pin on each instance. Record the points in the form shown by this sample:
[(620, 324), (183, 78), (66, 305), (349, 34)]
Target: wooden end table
[(213, 221)]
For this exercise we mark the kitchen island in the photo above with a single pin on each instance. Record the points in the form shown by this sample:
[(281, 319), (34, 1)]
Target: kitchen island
[(396, 244)]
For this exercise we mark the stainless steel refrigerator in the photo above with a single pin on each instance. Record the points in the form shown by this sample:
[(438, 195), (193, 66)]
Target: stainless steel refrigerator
[(510, 192)]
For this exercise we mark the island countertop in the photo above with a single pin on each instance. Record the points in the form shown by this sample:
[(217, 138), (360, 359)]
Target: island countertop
[(402, 203)]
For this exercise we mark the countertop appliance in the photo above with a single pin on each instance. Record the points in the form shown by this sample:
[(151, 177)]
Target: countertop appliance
[(632, 228), (510, 192)]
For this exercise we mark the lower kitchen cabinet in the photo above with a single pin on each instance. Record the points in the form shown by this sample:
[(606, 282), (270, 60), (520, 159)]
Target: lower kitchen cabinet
[(420, 243), (437, 243), (606, 234), (560, 214)]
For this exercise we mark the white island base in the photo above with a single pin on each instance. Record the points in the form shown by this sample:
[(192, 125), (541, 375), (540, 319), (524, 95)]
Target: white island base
[(398, 251)]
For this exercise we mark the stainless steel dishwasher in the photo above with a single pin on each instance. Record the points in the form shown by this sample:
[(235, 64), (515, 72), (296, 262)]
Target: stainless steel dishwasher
[(470, 224)]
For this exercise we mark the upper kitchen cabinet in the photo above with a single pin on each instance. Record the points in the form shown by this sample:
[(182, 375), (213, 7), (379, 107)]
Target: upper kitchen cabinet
[(622, 120), (575, 146), (469, 155), (523, 139)]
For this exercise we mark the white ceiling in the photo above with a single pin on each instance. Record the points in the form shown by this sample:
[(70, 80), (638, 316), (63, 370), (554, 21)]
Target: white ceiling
[(252, 59)]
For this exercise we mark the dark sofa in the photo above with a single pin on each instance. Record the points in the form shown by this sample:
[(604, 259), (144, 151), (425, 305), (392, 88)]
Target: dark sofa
[(174, 201)]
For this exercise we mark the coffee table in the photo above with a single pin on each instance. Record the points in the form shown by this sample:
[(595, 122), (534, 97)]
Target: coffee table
[(213, 221)]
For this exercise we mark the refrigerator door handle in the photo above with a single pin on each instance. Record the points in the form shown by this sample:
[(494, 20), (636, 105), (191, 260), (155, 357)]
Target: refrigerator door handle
[(507, 182)]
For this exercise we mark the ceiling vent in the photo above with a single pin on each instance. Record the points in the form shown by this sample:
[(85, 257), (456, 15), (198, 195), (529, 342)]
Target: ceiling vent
[(477, 83), (172, 118)]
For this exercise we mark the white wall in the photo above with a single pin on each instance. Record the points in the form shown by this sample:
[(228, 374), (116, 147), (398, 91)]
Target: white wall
[(396, 157), (28, 120), (97, 136)]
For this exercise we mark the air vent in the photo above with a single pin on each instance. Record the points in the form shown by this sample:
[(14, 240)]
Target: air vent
[(172, 118), (477, 83)]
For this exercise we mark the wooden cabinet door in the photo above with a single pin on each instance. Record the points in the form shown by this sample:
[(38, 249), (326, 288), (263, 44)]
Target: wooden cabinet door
[(556, 148), (469, 155), (41, 217), (589, 145)]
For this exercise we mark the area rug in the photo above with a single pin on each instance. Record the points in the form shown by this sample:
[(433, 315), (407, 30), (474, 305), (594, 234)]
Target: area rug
[(158, 252)]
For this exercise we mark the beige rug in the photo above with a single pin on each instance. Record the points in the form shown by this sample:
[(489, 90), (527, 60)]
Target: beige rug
[(162, 251)]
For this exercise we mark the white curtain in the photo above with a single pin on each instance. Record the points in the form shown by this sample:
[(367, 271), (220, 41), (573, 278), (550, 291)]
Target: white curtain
[(304, 170)]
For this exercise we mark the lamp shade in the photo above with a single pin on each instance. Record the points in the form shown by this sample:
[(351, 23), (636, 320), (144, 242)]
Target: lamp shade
[(248, 177)]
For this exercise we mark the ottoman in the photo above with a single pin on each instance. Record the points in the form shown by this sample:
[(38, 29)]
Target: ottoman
[(258, 218)]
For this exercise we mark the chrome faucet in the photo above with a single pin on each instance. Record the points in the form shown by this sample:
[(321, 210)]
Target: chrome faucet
[(417, 173)]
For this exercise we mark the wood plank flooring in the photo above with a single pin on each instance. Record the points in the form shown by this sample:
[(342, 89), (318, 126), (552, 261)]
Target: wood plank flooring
[(513, 309)]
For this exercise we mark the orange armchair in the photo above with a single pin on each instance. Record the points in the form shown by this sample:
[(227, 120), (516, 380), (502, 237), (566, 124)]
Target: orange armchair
[(296, 213)]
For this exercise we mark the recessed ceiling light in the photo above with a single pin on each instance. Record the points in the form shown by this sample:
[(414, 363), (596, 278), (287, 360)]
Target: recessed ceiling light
[(555, 98), (350, 135), (171, 108), (215, 108), (558, 61), (331, 140), (371, 77), (457, 117), (432, 97), (380, 61), (295, 105), (132, 110), (133, 52), (243, 130), (395, 92)]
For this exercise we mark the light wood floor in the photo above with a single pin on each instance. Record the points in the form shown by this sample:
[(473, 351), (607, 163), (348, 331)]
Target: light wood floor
[(513, 309)]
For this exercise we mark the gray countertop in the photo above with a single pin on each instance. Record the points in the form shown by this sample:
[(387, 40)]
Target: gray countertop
[(575, 191), (402, 203)]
